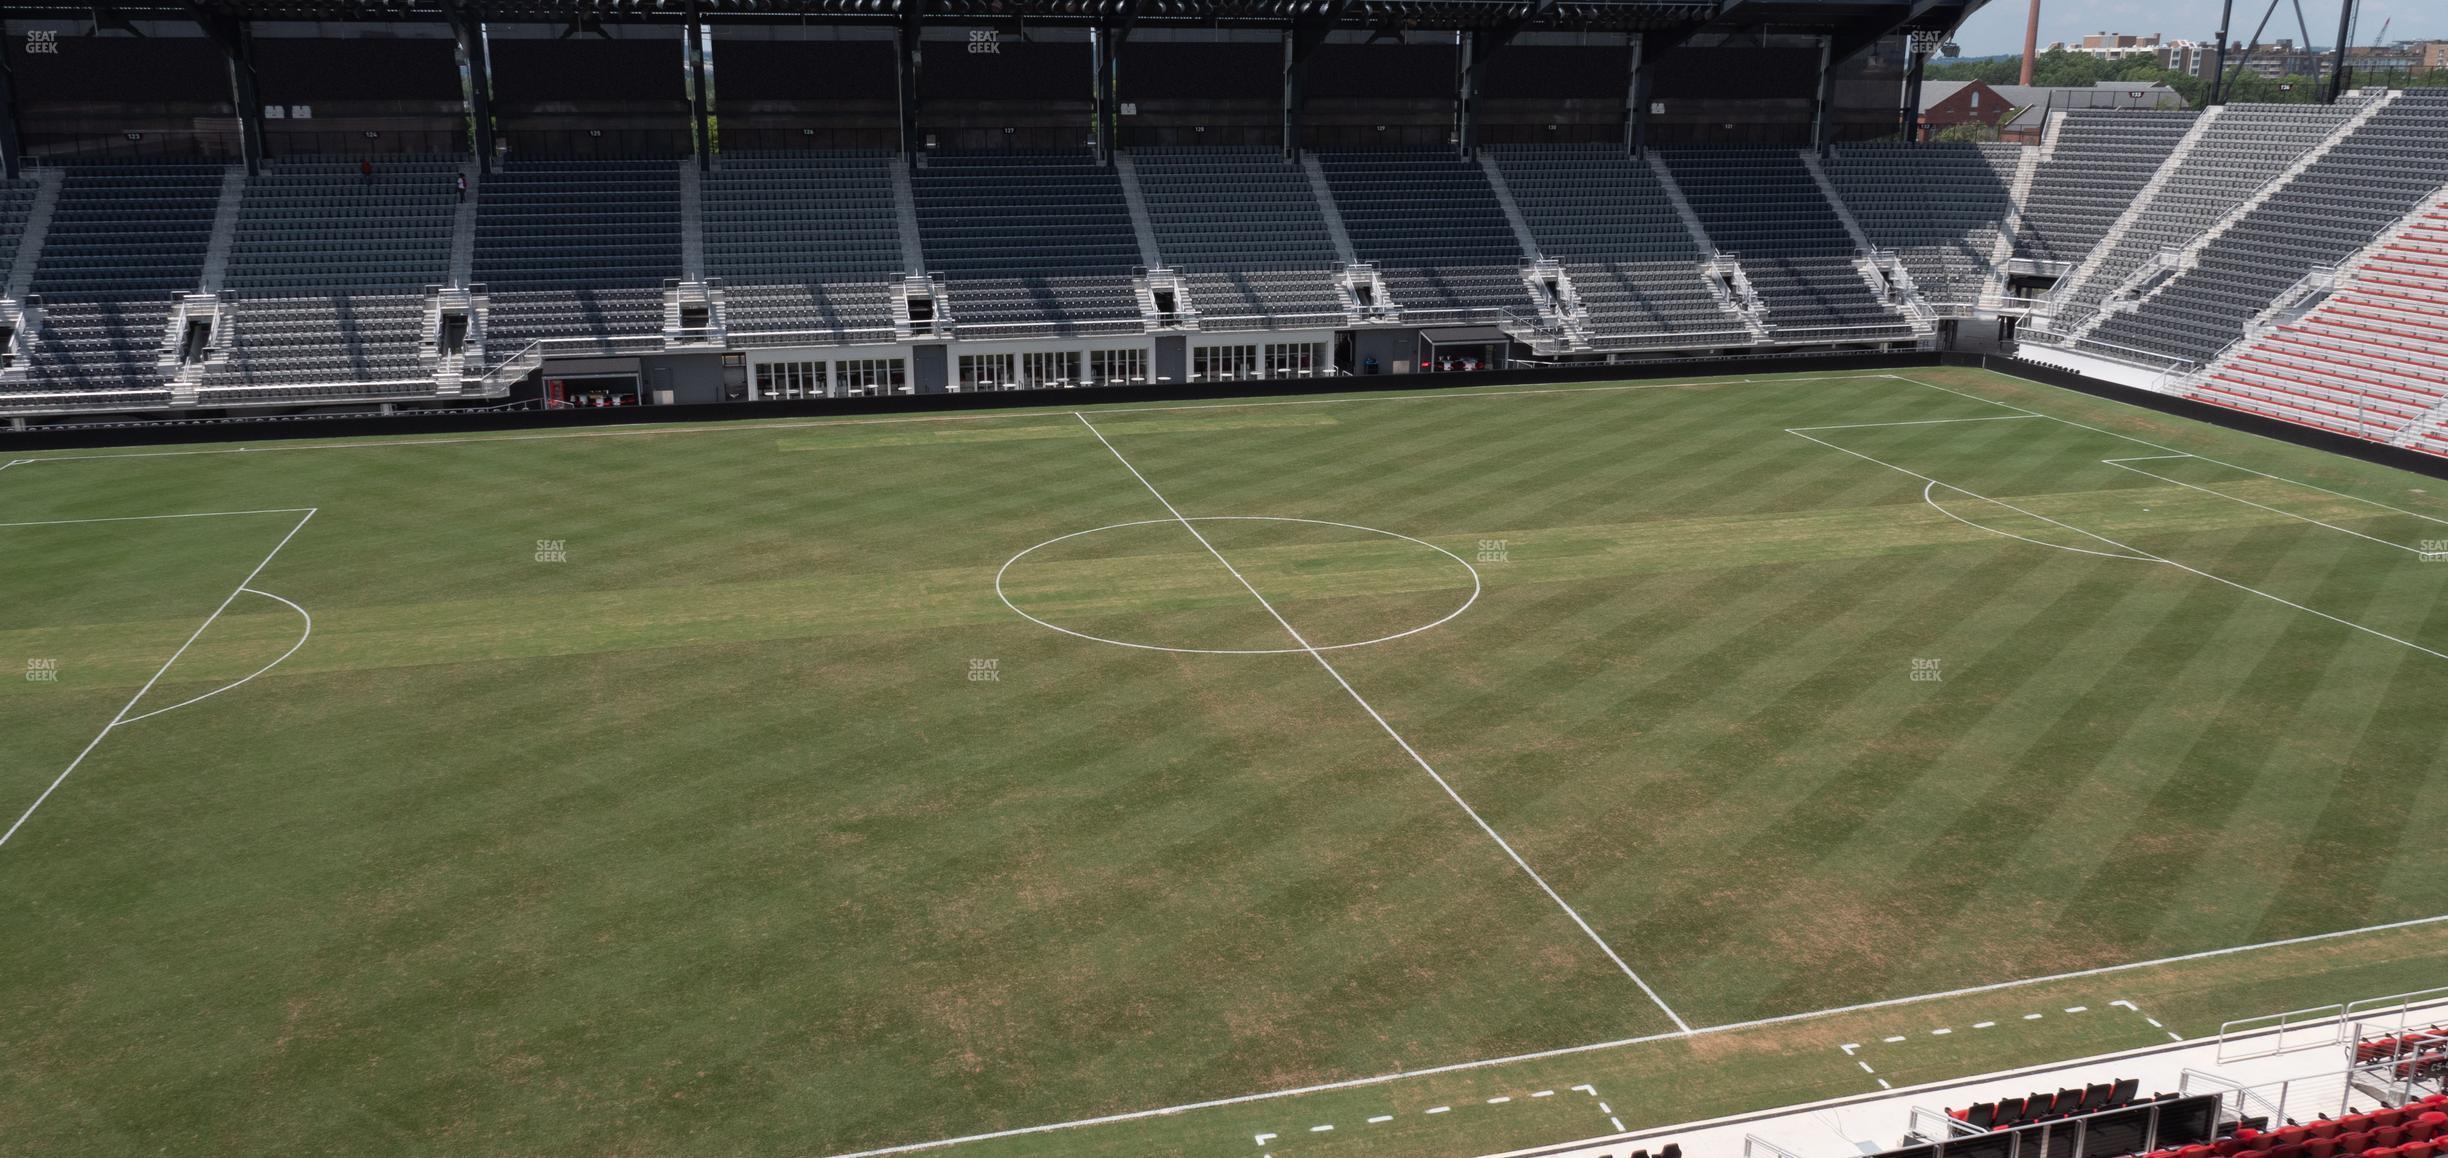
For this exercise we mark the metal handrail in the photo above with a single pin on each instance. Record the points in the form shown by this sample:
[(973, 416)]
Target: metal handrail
[(1820, 333), (535, 351), (2275, 1026), (766, 337), (2154, 361), (1091, 329), (1339, 318)]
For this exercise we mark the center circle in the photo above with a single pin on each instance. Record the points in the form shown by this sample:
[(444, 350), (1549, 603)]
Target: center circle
[(1233, 577)]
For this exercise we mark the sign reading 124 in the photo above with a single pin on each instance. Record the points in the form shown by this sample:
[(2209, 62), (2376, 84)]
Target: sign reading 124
[(42, 42)]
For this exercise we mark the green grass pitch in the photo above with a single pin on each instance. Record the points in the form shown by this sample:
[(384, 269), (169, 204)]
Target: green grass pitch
[(839, 785)]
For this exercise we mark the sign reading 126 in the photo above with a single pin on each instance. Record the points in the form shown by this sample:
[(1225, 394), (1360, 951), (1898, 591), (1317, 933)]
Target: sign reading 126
[(42, 42)]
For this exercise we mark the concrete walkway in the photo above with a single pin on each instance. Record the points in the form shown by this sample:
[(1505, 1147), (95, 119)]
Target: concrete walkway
[(2297, 1072)]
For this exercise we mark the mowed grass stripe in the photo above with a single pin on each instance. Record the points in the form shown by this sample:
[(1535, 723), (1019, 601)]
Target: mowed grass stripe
[(1990, 861), (2209, 818), (2189, 826), (2158, 816), (1757, 766), (739, 859), (2402, 714), (2359, 688), (1543, 809), (1786, 843), (2247, 737)]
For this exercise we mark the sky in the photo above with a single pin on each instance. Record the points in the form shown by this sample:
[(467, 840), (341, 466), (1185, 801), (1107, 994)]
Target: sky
[(1998, 28)]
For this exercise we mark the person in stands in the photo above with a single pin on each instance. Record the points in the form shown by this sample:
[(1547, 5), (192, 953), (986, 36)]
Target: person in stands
[(365, 170)]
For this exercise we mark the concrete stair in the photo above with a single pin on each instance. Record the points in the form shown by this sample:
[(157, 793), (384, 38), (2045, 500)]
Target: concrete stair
[(1126, 170)]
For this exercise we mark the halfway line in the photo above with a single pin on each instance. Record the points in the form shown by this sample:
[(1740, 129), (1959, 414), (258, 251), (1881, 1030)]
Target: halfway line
[(1408, 750)]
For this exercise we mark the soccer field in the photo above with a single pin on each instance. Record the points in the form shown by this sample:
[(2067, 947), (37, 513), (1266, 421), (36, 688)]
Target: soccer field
[(839, 785)]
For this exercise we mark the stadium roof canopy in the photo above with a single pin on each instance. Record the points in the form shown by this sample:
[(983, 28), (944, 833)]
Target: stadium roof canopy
[(1849, 16)]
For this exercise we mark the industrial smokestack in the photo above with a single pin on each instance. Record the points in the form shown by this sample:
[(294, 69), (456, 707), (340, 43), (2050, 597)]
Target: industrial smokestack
[(2031, 41)]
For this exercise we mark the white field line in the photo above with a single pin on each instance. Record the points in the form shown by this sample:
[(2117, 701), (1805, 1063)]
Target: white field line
[(1620, 1043), (122, 716), (1477, 587), (149, 518), (1921, 422), (2175, 453), (1408, 750), (1729, 1027), (2374, 632), (1935, 505), (754, 426), (2120, 464), (303, 636), (1454, 1067)]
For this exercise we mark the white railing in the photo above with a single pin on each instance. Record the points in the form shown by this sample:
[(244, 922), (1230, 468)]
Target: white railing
[(2324, 1025), (2325, 1095), (2401, 1005), (1755, 1146), (2267, 1035), (497, 377), (1836, 335), (29, 401), (1099, 328), (1319, 320), (841, 336), (1936, 1125), (2130, 355)]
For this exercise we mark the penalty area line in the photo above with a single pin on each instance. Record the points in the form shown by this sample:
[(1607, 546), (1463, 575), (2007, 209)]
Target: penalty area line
[(2173, 452), (150, 518), (1399, 741), (122, 717), (2120, 464), (2135, 552)]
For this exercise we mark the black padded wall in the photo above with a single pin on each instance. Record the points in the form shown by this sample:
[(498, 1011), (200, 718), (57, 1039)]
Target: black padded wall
[(1017, 70), (587, 69), (1560, 72), (1383, 71), (328, 69), (149, 70), (1729, 73), (783, 70), (1192, 72)]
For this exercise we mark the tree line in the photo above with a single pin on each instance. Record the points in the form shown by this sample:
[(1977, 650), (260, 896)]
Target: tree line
[(2059, 67)]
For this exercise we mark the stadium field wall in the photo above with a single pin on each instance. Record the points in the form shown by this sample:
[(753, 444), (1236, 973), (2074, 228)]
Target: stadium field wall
[(53, 439)]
